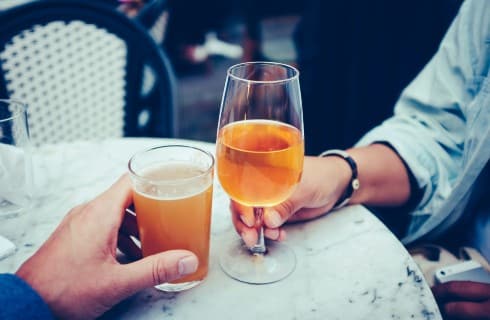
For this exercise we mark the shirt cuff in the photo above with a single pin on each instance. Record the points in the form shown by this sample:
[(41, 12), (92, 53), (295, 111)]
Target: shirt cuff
[(19, 301), (416, 162)]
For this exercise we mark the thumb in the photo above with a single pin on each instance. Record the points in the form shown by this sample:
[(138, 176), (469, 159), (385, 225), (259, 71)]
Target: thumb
[(157, 269), (276, 216)]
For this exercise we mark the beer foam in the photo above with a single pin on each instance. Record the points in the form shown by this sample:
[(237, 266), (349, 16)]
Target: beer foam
[(172, 181)]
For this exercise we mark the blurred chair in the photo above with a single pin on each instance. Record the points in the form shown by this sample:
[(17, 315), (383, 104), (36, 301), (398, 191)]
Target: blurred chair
[(86, 71), (154, 16), (255, 13)]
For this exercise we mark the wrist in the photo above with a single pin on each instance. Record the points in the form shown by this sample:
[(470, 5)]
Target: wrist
[(350, 182)]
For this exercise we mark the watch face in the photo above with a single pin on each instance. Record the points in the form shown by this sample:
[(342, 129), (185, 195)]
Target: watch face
[(356, 184)]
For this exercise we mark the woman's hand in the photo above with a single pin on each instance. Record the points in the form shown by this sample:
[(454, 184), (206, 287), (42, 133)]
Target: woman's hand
[(381, 172), (322, 183)]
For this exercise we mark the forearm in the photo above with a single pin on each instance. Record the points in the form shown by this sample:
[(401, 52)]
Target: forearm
[(383, 177)]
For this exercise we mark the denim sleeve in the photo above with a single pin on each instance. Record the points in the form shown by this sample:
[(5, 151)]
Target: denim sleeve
[(429, 124), (19, 301)]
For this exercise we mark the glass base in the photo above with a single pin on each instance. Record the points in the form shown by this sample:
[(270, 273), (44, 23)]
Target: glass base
[(176, 287), (239, 263)]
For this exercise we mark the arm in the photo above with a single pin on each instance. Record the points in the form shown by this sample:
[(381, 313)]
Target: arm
[(430, 122), (382, 175), (427, 132)]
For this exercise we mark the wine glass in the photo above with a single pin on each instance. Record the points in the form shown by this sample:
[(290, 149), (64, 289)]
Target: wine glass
[(260, 151)]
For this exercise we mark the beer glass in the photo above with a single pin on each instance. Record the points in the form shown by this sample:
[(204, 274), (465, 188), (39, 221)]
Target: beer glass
[(260, 153), (172, 195)]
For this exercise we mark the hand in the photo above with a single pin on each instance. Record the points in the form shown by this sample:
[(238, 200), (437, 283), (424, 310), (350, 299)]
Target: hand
[(463, 300), (322, 183), (76, 272)]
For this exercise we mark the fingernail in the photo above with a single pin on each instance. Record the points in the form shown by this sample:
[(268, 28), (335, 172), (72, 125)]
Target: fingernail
[(272, 234), (247, 237), (274, 219), (188, 265), (247, 220)]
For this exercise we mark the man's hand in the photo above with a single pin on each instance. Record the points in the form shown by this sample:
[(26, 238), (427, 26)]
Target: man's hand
[(76, 271), (463, 300)]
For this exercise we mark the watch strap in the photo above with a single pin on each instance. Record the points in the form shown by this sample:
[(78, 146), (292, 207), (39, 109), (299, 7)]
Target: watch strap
[(354, 183)]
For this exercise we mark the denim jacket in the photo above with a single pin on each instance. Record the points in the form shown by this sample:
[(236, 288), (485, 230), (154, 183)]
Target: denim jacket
[(441, 123)]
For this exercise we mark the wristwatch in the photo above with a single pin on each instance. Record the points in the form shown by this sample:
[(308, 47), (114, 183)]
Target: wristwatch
[(354, 181)]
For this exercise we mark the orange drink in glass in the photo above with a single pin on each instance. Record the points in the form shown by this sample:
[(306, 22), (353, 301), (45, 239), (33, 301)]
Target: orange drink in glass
[(260, 161), (172, 193), (259, 153)]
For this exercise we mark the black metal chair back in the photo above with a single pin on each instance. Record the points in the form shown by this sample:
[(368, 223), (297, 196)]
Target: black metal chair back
[(86, 71)]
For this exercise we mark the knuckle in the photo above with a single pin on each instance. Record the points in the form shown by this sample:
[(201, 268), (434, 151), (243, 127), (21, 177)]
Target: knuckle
[(159, 273), (286, 209)]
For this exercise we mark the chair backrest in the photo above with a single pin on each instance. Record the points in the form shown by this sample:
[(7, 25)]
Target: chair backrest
[(154, 16), (86, 71)]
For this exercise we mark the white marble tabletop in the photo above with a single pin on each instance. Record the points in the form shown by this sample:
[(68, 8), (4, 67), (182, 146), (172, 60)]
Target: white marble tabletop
[(349, 265)]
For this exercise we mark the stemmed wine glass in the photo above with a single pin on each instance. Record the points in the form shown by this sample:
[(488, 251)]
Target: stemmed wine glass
[(260, 153)]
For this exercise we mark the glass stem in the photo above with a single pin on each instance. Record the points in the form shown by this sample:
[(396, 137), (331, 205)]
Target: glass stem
[(259, 247)]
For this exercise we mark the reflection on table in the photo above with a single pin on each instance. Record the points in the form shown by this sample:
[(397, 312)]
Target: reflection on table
[(350, 266)]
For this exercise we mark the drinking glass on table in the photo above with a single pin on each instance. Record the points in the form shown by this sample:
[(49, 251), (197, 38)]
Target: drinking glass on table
[(260, 153), (172, 195), (15, 167)]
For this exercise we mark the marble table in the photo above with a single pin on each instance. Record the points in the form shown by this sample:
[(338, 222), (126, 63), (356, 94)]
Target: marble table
[(349, 265)]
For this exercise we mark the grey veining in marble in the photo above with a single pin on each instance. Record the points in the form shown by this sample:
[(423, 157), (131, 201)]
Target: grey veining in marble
[(349, 265)]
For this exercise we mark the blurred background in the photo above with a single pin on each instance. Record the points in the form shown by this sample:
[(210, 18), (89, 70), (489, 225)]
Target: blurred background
[(354, 57), (205, 38)]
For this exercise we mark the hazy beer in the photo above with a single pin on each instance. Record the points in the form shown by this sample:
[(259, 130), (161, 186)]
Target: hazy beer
[(259, 161), (173, 200)]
